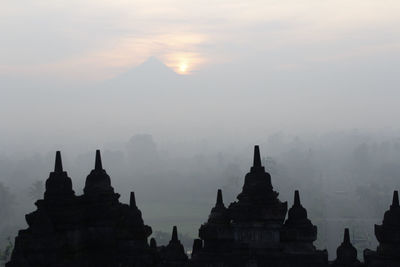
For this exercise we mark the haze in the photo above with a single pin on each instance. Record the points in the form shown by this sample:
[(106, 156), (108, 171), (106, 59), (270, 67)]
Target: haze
[(176, 93)]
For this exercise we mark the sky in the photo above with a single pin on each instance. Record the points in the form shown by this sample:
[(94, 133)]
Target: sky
[(72, 69), (199, 76), (94, 40)]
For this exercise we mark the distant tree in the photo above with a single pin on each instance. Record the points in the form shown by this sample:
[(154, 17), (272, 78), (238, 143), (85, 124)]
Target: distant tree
[(5, 253), (6, 201)]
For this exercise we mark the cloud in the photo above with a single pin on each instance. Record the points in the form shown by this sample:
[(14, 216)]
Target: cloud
[(89, 39)]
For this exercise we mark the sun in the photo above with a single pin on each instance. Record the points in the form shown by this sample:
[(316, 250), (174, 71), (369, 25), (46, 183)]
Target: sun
[(183, 63), (183, 67)]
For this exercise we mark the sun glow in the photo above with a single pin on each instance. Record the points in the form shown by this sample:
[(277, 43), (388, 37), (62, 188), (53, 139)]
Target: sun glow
[(184, 63), (183, 67)]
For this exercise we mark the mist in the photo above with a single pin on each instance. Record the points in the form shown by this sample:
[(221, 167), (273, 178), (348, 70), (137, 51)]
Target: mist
[(176, 99), (175, 182)]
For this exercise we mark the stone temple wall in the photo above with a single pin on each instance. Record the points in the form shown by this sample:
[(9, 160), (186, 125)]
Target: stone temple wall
[(96, 230)]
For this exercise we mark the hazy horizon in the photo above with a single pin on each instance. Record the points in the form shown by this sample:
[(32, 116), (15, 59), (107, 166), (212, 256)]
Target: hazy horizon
[(176, 94), (74, 70)]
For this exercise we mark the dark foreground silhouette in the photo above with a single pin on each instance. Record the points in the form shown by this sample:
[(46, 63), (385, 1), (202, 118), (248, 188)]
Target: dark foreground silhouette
[(96, 230)]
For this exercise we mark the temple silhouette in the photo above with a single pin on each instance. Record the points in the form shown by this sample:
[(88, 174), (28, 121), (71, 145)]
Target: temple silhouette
[(257, 230)]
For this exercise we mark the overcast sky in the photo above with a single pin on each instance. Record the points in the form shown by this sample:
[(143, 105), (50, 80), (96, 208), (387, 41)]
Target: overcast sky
[(296, 64), (88, 39)]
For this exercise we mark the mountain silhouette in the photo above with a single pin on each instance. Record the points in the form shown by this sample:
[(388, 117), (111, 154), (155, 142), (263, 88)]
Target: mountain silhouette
[(152, 71), (151, 79), (152, 64)]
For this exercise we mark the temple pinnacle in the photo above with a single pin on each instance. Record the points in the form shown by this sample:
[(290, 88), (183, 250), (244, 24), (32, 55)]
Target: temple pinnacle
[(197, 246), (296, 198), (174, 234), (219, 198), (132, 200), (98, 165), (395, 202), (58, 163), (257, 157), (346, 238), (153, 243)]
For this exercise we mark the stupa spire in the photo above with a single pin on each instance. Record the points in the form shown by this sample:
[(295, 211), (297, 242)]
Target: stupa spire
[(219, 198), (132, 200), (197, 246), (346, 238), (395, 202), (153, 243), (257, 157), (346, 253), (218, 212), (58, 185), (175, 251), (296, 198), (174, 234), (98, 181), (58, 163), (98, 165)]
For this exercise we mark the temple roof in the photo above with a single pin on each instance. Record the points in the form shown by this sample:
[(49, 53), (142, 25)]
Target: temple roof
[(257, 166), (58, 185), (297, 213), (153, 243), (174, 250), (257, 184), (258, 201), (392, 216), (98, 181), (346, 252), (219, 212), (389, 231)]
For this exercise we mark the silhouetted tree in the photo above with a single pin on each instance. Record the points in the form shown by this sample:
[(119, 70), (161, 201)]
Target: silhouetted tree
[(5, 253)]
